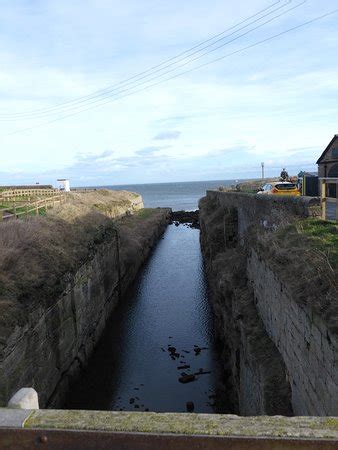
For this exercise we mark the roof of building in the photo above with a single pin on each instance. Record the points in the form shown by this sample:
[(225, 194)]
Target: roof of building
[(303, 173), (327, 148)]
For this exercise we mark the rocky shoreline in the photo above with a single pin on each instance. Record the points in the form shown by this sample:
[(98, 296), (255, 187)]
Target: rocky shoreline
[(189, 218)]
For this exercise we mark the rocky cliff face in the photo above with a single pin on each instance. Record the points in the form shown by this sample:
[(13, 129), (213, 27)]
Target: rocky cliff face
[(48, 333), (274, 339)]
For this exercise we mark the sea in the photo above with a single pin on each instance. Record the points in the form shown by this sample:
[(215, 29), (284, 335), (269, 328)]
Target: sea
[(177, 196)]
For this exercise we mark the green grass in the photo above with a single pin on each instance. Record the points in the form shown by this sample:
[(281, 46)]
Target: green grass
[(313, 234), (22, 210), (42, 212), (249, 190), (145, 213), (8, 205)]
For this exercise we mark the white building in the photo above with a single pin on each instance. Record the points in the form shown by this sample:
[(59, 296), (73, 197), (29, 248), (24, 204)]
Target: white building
[(63, 184)]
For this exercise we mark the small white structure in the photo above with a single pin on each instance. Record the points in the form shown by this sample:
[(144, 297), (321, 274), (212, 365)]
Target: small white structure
[(64, 184), (25, 398)]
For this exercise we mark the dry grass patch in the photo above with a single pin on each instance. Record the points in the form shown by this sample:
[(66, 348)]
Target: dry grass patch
[(37, 255), (304, 255)]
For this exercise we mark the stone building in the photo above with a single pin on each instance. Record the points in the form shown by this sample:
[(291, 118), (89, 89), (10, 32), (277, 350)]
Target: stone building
[(328, 164)]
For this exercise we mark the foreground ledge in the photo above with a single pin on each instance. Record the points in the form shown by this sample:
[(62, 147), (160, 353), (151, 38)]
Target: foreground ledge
[(96, 430), (173, 423)]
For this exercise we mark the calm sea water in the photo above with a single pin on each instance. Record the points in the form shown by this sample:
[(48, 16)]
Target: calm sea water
[(177, 196)]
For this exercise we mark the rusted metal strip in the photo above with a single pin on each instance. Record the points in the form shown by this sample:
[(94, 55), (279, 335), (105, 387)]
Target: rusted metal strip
[(25, 439)]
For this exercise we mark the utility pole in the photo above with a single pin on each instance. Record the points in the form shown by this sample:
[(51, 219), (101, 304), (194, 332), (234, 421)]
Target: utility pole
[(262, 164)]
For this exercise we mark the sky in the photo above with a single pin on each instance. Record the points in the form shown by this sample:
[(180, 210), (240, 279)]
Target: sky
[(274, 102)]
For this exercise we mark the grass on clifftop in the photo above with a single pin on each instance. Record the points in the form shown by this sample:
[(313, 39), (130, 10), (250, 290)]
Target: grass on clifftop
[(145, 213), (304, 255), (36, 254), (314, 235)]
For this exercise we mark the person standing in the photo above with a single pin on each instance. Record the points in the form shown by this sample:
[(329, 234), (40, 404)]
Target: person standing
[(284, 175)]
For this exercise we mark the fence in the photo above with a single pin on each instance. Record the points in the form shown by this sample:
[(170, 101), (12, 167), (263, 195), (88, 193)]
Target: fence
[(16, 203), (329, 205), (19, 193)]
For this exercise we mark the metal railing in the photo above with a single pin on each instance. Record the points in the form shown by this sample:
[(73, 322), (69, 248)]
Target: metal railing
[(15, 438), (329, 205)]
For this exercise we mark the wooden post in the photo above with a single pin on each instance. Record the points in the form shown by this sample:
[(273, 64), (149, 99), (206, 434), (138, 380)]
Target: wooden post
[(26, 210), (14, 208), (323, 198), (36, 208)]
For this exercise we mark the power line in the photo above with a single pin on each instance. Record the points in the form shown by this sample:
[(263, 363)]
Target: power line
[(316, 19), (183, 63), (136, 77)]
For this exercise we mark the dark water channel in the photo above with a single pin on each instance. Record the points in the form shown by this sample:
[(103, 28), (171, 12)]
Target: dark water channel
[(132, 368)]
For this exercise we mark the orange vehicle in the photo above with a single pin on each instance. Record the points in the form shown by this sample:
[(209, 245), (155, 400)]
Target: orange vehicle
[(279, 188)]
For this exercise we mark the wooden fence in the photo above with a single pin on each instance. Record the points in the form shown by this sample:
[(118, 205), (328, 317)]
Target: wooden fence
[(329, 205), (17, 203), (19, 193)]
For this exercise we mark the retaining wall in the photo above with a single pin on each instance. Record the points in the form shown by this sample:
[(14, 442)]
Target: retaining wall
[(48, 348), (301, 343)]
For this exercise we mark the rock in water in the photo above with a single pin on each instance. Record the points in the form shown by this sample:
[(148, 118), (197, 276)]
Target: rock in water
[(190, 406), (187, 378), (186, 366)]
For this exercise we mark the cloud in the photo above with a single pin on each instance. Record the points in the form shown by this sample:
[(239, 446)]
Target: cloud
[(236, 149), (167, 135), (90, 158), (152, 150), (107, 165), (173, 120)]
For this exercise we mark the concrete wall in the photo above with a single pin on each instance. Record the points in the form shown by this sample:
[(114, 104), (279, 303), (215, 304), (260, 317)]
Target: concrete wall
[(266, 211), (301, 342), (52, 346)]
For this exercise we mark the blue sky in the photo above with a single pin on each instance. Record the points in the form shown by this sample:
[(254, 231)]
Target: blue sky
[(275, 102)]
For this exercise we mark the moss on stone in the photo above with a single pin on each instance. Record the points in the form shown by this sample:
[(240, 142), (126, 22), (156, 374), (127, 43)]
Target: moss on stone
[(332, 422), (202, 424)]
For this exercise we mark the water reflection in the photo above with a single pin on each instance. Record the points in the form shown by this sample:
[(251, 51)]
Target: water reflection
[(134, 366)]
